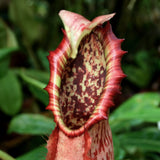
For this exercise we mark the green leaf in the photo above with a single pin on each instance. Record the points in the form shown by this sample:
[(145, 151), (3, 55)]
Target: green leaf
[(123, 125), (146, 139), (6, 51), (4, 65), (24, 15), (10, 94), (119, 153), (34, 124), (40, 94), (37, 81), (5, 59), (9, 39), (41, 76), (152, 156), (36, 154), (8, 44), (137, 75), (142, 59), (143, 107), (141, 72), (43, 58)]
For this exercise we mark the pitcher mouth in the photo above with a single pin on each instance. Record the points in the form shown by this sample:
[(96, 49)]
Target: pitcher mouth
[(82, 82), (81, 89)]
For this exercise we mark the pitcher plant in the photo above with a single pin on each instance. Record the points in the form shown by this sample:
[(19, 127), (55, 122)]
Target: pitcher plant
[(85, 76)]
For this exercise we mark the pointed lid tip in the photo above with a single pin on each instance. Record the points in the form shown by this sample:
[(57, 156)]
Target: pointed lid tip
[(112, 14), (62, 12)]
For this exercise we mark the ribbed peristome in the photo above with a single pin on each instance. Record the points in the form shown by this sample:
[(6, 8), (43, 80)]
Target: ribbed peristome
[(85, 75)]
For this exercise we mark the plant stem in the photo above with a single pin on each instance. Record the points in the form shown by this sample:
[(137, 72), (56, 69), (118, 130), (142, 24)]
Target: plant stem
[(32, 81), (32, 55), (5, 156)]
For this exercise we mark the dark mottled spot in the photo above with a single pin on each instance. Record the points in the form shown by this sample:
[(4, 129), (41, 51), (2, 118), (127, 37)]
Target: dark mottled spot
[(82, 82)]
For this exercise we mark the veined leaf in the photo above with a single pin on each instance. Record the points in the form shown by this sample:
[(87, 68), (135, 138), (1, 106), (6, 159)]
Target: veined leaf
[(10, 94), (141, 106), (37, 81), (36, 74), (146, 139), (121, 125), (119, 153), (31, 124)]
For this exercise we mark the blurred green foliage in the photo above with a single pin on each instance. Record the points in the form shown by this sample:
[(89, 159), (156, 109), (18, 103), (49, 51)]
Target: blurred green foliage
[(31, 28)]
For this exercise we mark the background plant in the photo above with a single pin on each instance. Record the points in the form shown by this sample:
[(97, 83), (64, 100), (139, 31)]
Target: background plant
[(30, 28)]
